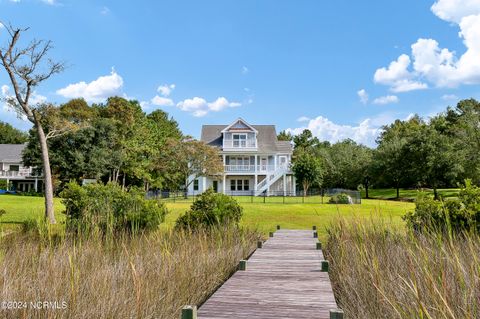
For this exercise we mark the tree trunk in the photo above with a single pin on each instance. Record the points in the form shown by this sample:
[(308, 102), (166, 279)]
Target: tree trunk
[(366, 190), (398, 192), (305, 189), (435, 193), (47, 173)]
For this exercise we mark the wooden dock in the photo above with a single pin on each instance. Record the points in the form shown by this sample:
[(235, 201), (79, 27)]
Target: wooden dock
[(283, 279)]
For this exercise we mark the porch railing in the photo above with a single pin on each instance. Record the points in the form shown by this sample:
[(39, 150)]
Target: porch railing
[(21, 173), (241, 144)]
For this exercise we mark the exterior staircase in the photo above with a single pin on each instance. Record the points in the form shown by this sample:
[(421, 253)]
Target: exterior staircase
[(270, 179)]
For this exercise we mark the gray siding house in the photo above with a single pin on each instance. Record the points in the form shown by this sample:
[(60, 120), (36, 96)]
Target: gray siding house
[(19, 177), (255, 162)]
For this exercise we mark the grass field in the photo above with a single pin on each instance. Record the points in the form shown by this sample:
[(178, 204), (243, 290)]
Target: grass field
[(262, 216), (410, 194)]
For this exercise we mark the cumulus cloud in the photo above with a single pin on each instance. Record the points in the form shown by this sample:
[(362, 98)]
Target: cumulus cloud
[(434, 64), (303, 119), (365, 132), (449, 97), (388, 99), (95, 91), (363, 96), (161, 101), (200, 107), (166, 89)]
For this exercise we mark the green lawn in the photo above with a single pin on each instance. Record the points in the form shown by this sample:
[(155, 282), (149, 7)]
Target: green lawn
[(410, 194), (20, 208), (265, 217)]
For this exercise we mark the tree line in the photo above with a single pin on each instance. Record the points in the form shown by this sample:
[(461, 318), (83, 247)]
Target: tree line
[(441, 151)]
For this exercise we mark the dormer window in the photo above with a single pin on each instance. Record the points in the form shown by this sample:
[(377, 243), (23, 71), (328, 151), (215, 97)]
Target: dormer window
[(239, 140)]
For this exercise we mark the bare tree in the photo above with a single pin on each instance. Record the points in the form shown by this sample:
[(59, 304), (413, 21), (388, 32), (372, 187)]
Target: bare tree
[(27, 67)]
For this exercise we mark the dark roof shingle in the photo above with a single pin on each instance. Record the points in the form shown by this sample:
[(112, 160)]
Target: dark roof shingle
[(11, 152)]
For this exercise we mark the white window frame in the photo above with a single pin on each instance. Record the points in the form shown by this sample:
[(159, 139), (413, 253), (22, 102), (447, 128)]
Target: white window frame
[(241, 141)]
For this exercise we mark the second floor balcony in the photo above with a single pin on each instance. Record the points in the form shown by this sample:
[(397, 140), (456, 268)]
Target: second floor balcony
[(253, 168), (22, 173), (240, 144)]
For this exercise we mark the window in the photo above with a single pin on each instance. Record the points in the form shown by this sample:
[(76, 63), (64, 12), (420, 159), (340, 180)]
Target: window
[(239, 185), (246, 185), (195, 185), (239, 140), (232, 185)]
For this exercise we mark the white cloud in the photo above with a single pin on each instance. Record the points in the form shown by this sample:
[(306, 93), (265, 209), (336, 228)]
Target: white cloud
[(50, 2), (105, 10), (95, 91), (434, 64), (303, 119), (161, 101), (363, 95), (388, 99), (245, 70), (200, 107), (365, 132), (166, 89), (449, 97)]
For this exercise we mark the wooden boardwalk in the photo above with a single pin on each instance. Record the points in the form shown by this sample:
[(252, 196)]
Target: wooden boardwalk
[(283, 280)]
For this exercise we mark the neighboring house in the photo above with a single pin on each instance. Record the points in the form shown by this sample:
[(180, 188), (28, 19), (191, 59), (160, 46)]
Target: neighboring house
[(255, 162), (19, 177)]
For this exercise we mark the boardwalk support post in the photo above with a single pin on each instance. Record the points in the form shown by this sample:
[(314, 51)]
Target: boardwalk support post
[(278, 227), (325, 265), (336, 314), (314, 228), (259, 244), (189, 312), (242, 265), (271, 234), (315, 234), (319, 245)]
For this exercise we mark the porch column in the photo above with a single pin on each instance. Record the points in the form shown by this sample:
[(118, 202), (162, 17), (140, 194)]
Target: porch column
[(36, 185), (256, 165), (224, 182), (256, 182), (284, 184), (274, 162), (8, 184), (294, 186)]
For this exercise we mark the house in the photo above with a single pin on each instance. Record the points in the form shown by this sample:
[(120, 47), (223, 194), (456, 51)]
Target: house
[(18, 177), (255, 161)]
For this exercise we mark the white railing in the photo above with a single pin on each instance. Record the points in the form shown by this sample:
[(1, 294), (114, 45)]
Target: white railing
[(21, 173), (240, 144), (272, 178), (249, 168)]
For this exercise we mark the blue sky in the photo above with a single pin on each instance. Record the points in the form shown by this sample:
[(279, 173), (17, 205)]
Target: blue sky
[(340, 68)]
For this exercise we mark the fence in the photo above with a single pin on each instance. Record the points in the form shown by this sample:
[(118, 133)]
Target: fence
[(322, 196)]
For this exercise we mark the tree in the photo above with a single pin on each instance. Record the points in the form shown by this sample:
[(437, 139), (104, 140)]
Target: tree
[(26, 69), (285, 136), (308, 170), (189, 158), (10, 135), (305, 140)]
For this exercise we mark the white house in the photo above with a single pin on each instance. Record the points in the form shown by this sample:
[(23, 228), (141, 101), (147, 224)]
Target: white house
[(19, 177), (255, 161)]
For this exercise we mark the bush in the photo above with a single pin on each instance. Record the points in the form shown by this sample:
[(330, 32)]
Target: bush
[(462, 214), (2, 212), (211, 209), (110, 209), (340, 199)]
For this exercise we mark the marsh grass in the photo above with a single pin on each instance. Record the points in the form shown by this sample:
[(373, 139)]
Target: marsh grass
[(380, 271), (143, 276)]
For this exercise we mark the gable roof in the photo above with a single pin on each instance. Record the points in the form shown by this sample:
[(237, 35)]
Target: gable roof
[(235, 126), (11, 152), (266, 138)]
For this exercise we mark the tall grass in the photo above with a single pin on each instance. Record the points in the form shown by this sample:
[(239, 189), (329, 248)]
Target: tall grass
[(380, 271), (146, 276)]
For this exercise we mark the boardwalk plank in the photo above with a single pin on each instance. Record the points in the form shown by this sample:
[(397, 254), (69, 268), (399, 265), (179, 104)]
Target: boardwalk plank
[(283, 280)]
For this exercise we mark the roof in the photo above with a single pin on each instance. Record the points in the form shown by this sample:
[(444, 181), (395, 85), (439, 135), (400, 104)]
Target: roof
[(266, 138), (11, 152)]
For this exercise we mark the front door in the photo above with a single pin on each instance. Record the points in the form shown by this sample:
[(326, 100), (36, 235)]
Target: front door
[(264, 162), (215, 186)]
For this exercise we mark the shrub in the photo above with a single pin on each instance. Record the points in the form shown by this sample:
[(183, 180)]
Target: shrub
[(340, 199), (462, 214), (211, 209), (2, 212), (108, 208)]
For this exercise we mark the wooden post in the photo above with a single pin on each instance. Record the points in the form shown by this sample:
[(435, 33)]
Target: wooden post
[(259, 244), (278, 227), (271, 234), (315, 234), (314, 228), (319, 246), (189, 312), (242, 265), (325, 265), (336, 314)]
